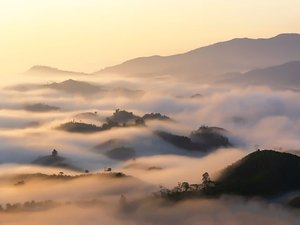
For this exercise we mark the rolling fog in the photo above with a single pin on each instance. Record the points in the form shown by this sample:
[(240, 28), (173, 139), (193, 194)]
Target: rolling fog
[(254, 117)]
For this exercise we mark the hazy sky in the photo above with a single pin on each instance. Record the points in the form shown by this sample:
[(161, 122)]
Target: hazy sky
[(86, 35)]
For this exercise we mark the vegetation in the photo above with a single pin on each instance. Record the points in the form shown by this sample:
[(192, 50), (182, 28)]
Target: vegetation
[(184, 190), (36, 206), (40, 107), (121, 153), (120, 118), (262, 173), (204, 139), (23, 179), (210, 137), (54, 160), (79, 127), (178, 141), (295, 202), (156, 116), (29, 206)]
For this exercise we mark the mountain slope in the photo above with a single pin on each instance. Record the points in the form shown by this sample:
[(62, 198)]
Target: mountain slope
[(55, 161), (281, 76), (205, 139), (46, 70), (262, 173), (74, 86), (237, 55)]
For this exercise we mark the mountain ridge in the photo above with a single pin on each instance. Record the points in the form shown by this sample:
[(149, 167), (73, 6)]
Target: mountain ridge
[(36, 69), (207, 63), (236, 55), (283, 76)]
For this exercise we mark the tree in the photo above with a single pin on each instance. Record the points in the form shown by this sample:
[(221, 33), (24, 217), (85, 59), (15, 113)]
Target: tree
[(205, 179), (139, 122), (185, 186), (107, 169), (54, 153)]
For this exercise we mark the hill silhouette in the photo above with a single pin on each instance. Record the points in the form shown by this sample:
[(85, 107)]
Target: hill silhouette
[(262, 173), (74, 86), (121, 153), (284, 76), (55, 161), (40, 107), (204, 139), (47, 70), (205, 63), (120, 118)]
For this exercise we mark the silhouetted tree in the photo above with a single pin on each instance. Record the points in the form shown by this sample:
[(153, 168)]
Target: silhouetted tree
[(54, 153), (205, 179), (185, 186), (139, 122), (108, 169)]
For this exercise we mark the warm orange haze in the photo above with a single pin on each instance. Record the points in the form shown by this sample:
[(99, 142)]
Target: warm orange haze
[(89, 35), (149, 112)]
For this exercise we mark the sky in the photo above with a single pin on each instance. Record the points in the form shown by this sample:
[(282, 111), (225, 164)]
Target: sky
[(87, 35)]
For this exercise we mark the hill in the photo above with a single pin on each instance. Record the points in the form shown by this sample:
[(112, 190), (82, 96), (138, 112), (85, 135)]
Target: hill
[(120, 118), (46, 70), (40, 107), (54, 160), (237, 55), (75, 87), (284, 76), (262, 173), (204, 139)]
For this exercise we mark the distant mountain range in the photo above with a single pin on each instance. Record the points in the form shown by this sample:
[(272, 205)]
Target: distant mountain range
[(74, 86), (281, 76), (37, 70), (80, 88), (237, 55), (275, 58)]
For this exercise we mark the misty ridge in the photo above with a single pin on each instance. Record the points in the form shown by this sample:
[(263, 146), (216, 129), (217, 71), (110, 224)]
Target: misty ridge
[(210, 136)]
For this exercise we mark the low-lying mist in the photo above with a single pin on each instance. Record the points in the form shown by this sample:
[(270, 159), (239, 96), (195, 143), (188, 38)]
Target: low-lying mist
[(255, 117)]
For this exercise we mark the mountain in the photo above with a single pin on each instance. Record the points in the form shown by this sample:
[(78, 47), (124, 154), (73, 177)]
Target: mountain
[(75, 87), (262, 173), (204, 139), (119, 119), (40, 107), (55, 161), (121, 153), (46, 70), (286, 75), (79, 127), (81, 88), (156, 116), (123, 117), (237, 55)]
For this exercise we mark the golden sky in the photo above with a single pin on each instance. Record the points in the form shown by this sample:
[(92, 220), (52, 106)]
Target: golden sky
[(86, 35)]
